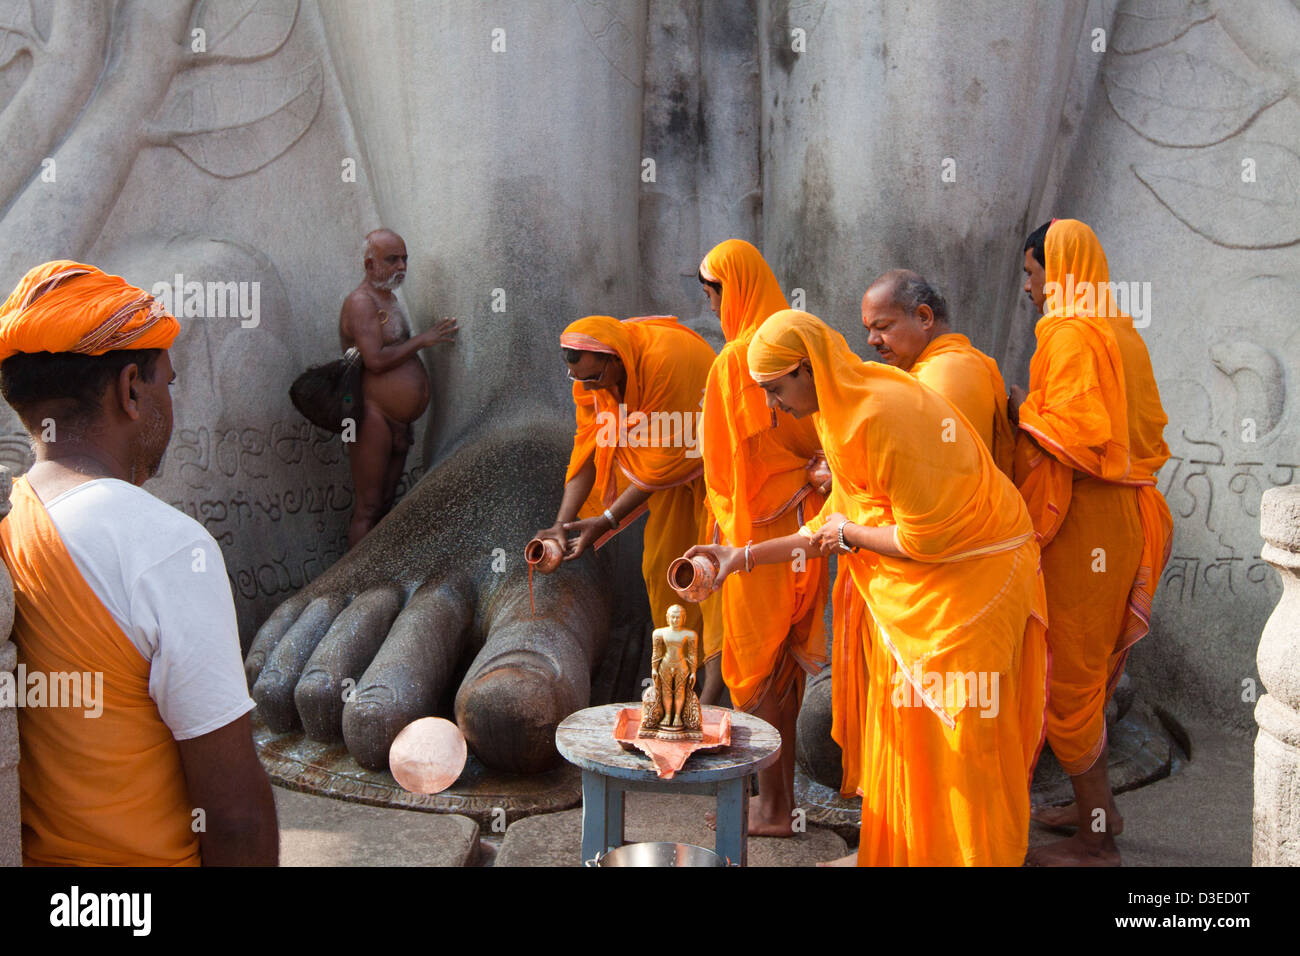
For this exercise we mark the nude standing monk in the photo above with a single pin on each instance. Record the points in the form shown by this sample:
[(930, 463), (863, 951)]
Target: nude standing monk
[(394, 385)]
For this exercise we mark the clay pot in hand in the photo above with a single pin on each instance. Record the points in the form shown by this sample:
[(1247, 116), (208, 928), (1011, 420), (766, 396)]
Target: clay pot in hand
[(544, 554), (693, 578), (819, 473)]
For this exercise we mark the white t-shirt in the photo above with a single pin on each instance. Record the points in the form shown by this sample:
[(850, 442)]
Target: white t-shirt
[(161, 576)]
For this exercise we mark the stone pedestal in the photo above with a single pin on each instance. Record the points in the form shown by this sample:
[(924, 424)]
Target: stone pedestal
[(1277, 748), (10, 827)]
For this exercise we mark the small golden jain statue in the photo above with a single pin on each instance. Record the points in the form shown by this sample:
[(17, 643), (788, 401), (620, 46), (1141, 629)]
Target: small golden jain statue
[(670, 709)]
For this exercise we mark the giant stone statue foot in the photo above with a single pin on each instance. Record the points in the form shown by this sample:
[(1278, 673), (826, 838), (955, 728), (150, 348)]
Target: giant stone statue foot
[(433, 603)]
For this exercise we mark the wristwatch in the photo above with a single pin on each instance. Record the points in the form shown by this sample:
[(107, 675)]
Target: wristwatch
[(844, 545)]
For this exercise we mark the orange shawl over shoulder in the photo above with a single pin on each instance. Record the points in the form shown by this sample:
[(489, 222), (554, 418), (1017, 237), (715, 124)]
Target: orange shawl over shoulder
[(754, 460), (98, 791), (650, 439), (970, 380)]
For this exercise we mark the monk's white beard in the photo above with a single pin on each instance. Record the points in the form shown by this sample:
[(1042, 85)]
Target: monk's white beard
[(391, 283)]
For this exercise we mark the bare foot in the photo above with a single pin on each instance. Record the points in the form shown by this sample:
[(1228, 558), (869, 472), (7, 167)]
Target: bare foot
[(1067, 818), (1056, 817), (759, 825), (850, 860), (1074, 851), (780, 827)]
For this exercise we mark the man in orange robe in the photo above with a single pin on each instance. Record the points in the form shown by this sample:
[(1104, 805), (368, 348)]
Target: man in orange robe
[(1090, 443), (119, 597), (637, 391), (940, 547), (906, 319), (756, 471)]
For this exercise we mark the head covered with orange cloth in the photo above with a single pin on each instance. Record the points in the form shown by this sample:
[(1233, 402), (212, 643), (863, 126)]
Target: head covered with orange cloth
[(1077, 416), (1091, 440), (662, 365), (954, 591), (849, 395), (756, 471), (74, 344), (65, 306), (751, 290), (1077, 287), (742, 480)]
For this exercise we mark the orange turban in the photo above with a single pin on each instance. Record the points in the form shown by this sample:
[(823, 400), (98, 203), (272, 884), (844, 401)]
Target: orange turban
[(65, 306)]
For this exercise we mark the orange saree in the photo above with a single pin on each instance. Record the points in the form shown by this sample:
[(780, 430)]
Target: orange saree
[(757, 483), (944, 735), (649, 439), (970, 380), (1090, 445)]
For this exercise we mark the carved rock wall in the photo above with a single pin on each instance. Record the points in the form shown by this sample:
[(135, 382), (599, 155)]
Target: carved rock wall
[(908, 135), (702, 130), (1185, 158), (505, 139), (229, 164)]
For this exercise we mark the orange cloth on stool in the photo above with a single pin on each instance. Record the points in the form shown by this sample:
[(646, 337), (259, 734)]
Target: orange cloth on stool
[(1090, 445), (103, 791), (755, 471), (944, 775), (651, 440), (970, 380), (65, 306)]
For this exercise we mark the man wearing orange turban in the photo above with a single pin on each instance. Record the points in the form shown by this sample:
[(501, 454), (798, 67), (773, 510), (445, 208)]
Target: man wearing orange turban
[(637, 389), (940, 548), (1090, 443), (119, 600), (756, 470), (906, 319)]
